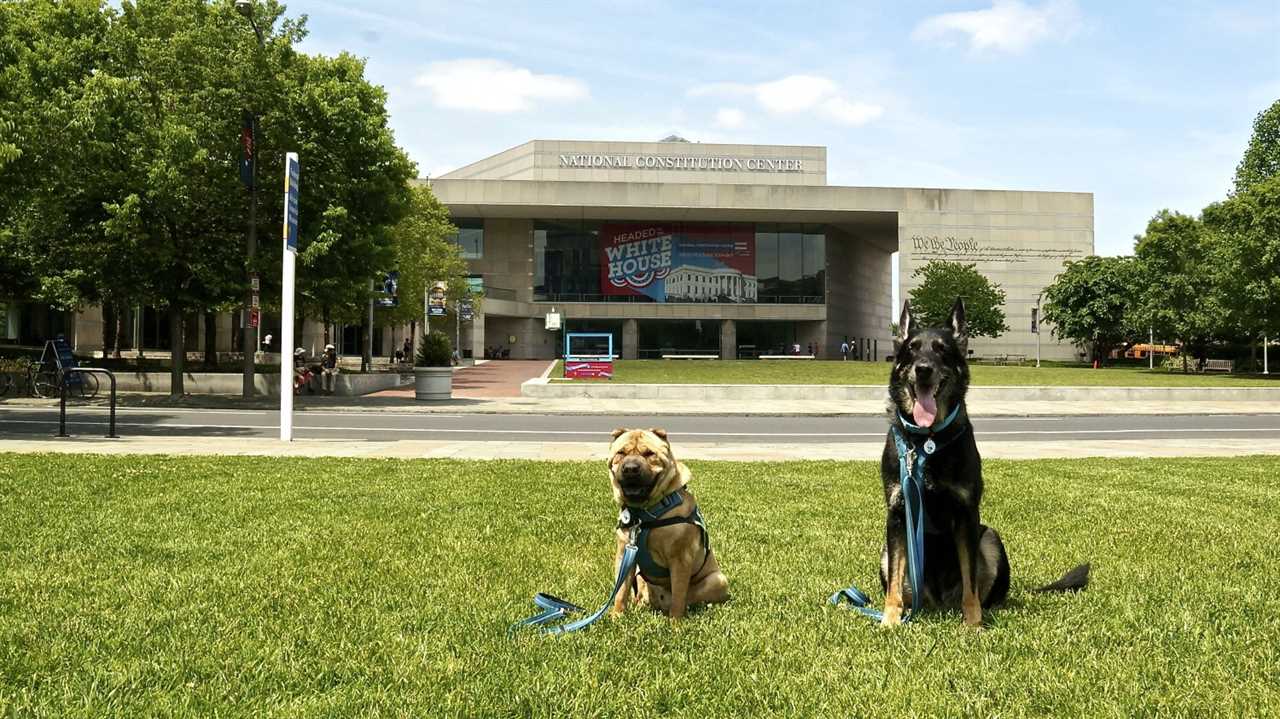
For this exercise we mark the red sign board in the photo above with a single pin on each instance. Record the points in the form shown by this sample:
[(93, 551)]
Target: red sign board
[(253, 317), (588, 369)]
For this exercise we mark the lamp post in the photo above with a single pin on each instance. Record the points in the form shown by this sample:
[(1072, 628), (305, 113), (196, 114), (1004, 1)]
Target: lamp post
[(1035, 326), (248, 339)]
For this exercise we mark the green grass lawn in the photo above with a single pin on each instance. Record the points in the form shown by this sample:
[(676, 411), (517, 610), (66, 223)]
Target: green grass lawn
[(827, 372), (289, 587)]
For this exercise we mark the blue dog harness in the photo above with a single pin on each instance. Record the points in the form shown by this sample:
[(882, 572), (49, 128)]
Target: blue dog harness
[(914, 449), (638, 521)]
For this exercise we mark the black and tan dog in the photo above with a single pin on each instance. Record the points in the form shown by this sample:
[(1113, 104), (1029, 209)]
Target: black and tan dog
[(675, 564), (965, 560)]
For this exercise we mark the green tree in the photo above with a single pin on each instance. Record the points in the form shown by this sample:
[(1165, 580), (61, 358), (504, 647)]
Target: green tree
[(1091, 303), (354, 187), (1262, 158), (1244, 232), (423, 254), (942, 282), (1176, 290)]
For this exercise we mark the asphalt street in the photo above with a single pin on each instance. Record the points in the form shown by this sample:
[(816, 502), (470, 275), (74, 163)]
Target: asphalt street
[(32, 422)]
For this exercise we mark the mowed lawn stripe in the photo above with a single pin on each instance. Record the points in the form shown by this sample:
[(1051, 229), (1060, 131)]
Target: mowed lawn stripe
[(304, 587), (877, 373)]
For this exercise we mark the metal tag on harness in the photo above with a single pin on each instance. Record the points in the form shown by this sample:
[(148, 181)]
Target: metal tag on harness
[(929, 446)]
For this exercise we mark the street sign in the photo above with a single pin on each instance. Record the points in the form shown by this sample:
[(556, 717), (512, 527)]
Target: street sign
[(291, 177), (253, 282), (254, 317), (553, 321), (466, 310), (254, 301)]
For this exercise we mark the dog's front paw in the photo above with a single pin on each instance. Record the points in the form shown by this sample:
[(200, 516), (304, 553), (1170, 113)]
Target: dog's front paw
[(973, 616), (892, 617)]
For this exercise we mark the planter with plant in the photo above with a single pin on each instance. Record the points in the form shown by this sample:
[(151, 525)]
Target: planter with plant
[(433, 368)]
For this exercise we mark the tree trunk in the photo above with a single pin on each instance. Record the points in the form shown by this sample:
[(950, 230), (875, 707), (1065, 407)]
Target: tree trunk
[(210, 340), (109, 328), (1253, 355), (177, 352), (120, 313)]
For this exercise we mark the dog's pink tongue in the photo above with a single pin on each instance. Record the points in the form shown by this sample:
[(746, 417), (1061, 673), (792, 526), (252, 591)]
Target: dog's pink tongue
[(926, 408)]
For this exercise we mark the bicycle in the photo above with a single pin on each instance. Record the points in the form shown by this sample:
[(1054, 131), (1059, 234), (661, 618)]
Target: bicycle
[(45, 382)]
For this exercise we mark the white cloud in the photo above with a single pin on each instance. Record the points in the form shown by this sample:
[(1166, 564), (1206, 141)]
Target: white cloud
[(494, 86), (851, 113), (792, 94), (730, 118), (1007, 26)]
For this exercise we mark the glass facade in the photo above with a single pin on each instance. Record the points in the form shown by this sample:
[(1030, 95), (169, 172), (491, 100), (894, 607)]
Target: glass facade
[(715, 262), (470, 238)]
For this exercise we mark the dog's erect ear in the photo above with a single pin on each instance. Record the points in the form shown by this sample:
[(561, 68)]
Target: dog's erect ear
[(662, 433), (956, 322), (619, 432), (904, 322)]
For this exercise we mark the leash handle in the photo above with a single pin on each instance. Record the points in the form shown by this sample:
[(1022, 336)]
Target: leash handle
[(555, 608)]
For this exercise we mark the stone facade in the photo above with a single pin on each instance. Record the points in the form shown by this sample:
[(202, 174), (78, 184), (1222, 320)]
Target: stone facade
[(1018, 239)]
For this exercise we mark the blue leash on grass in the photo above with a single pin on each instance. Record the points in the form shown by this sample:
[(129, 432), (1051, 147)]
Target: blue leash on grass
[(555, 608), (911, 463)]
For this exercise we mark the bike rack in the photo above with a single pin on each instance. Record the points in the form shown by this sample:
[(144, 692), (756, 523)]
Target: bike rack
[(62, 405)]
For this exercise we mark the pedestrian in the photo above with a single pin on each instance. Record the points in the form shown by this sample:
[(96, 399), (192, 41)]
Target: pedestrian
[(795, 348), (844, 350), (301, 373), (266, 343), (408, 350), (329, 369)]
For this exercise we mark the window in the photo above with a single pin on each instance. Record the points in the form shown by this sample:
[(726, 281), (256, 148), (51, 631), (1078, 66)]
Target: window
[(470, 238)]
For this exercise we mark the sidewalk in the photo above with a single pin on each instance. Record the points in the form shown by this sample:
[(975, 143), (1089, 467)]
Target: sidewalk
[(667, 407), (592, 451)]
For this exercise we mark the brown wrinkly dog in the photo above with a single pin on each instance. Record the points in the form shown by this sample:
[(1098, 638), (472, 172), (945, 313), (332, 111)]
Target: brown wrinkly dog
[(643, 470)]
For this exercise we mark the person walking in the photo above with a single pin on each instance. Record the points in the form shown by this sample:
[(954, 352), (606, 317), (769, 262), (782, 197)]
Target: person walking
[(408, 350), (329, 369), (844, 350)]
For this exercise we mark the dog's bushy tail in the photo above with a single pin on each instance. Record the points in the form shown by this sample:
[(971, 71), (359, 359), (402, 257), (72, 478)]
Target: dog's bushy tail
[(1072, 581)]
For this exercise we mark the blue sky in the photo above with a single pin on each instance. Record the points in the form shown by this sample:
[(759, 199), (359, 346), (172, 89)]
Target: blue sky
[(1146, 105)]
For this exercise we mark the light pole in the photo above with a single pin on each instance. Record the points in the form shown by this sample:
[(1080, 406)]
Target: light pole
[(248, 339), (1035, 326)]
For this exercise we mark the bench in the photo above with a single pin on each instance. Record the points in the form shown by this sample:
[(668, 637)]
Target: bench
[(795, 357), (691, 357), (1217, 365)]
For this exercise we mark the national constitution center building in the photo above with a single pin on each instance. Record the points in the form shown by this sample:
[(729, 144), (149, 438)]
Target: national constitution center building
[(736, 250)]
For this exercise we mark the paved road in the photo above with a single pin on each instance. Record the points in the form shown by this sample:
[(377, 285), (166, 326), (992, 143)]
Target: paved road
[(33, 422)]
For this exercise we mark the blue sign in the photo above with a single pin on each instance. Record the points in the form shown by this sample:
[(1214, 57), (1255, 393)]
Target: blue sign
[(292, 172)]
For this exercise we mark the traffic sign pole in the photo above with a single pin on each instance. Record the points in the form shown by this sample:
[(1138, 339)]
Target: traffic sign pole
[(291, 178)]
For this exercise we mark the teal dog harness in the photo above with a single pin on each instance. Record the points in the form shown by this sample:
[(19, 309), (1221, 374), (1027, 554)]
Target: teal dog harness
[(640, 522)]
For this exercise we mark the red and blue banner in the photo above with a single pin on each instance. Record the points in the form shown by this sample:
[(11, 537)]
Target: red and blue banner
[(677, 262)]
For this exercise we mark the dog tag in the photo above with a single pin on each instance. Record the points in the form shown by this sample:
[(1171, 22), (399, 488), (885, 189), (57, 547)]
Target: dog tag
[(624, 517), (929, 446)]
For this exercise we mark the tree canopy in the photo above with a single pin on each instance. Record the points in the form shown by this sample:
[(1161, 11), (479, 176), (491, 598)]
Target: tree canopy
[(1091, 303), (942, 282), (1261, 159), (119, 161)]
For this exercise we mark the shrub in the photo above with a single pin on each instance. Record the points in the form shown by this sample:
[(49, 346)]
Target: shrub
[(434, 351)]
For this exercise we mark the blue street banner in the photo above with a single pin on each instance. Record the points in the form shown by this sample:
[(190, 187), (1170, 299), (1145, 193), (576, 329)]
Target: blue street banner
[(390, 293), (436, 300), (291, 174)]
